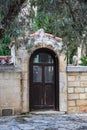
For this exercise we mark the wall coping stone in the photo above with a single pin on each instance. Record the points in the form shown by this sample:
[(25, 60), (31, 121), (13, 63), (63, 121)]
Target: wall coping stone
[(10, 68), (76, 68)]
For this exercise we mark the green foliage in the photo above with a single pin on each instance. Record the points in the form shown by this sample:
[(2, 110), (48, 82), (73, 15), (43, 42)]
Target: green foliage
[(4, 43), (1, 15), (44, 21), (83, 61), (63, 18)]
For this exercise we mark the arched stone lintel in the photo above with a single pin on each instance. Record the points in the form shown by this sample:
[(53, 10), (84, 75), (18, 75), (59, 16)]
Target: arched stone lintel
[(43, 44)]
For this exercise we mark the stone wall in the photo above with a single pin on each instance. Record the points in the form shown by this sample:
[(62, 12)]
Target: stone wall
[(77, 89), (10, 90)]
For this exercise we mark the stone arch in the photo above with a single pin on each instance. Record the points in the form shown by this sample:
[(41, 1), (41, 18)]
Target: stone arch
[(24, 48)]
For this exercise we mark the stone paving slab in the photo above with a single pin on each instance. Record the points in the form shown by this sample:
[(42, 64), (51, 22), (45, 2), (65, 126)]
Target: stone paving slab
[(44, 122)]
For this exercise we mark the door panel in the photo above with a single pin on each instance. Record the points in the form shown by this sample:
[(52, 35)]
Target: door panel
[(37, 73), (37, 95), (49, 74), (50, 95)]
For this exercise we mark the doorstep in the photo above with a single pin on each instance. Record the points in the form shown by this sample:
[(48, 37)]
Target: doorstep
[(46, 112)]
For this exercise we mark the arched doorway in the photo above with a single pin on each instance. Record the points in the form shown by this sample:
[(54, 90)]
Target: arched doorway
[(44, 85)]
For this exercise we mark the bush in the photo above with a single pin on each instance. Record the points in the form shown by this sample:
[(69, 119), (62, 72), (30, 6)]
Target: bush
[(4, 43), (83, 61)]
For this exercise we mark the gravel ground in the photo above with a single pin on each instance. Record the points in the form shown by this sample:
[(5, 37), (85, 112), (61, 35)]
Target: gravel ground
[(44, 122)]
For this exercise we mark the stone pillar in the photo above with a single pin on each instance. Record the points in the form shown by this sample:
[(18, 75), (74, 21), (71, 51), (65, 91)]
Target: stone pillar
[(62, 84)]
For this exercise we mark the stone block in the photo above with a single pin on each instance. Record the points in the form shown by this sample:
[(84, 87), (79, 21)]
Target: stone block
[(25, 76), (73, 74), (63, 63), (73, 109), (74, 84), (83, 108), (85, 90), (81, 102), (83, 96), (84, 84), (70, 90), (83, 78), (4, 76), (71, 103), (73, 96), (83, 73), (79, 90), (63, 102), (71, 78), (25, 67), (62, 77)]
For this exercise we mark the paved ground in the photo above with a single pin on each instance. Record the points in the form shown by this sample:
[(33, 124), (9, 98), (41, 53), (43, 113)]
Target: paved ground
[(44, 122)]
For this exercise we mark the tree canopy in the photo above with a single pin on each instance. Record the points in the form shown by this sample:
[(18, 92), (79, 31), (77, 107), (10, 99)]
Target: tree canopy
[(64, 18)]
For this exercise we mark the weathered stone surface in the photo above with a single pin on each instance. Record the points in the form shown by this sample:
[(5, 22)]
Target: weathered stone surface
[(70, 90), (73, 96), (45, 122), (81, 102), (71, 103), (10, 90), (74, 84), (85, 90), (71, 78), (84, 84), (79, 90), (62, 63), (73, 109), (83, 108), (76, 68), (77, 81), (83, 78), (83, 96)]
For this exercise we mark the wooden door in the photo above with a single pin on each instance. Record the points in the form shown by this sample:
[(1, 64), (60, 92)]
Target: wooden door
[(42, 81)]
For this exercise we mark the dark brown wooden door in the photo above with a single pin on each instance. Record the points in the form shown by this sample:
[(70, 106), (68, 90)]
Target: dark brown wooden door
[(42, 84)]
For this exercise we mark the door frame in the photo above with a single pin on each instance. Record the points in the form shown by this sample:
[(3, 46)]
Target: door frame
[(54, 55)]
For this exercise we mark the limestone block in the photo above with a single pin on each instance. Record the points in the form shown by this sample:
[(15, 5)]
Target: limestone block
[(73, 109), (83, 108), (73, 74), (79, 90), (63, 102), (83, 73), (85, 90), (25, 83), (73, 96), (70, 90), (71, 78), (10, 97), (84, 84), (25, 76), (62, 63), (14, 75), (83, 78), (72, 84), (62, 76), (4, 75), (83, 96), (25, 96), (81, 102), (25, 67), (63, 82), (71, 103)]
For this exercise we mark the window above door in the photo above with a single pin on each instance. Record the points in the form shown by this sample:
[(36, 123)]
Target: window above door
[(43, 58)]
